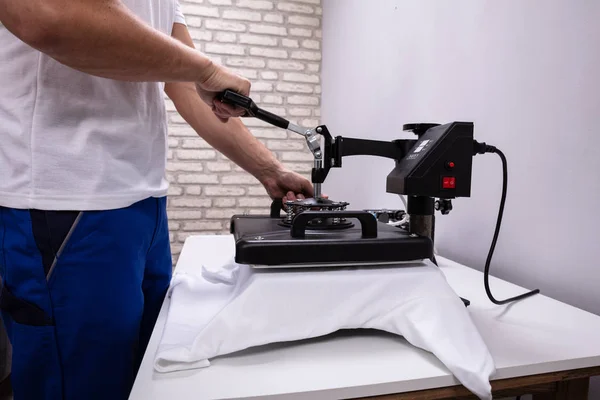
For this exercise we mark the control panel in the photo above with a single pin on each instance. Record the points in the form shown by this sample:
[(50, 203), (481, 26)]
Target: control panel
[(438, 165)]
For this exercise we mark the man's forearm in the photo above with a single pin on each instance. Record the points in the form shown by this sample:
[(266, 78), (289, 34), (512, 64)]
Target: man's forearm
[(232, 138), (103, 38)]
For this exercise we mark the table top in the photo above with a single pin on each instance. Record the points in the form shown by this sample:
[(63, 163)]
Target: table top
[(538, 335)]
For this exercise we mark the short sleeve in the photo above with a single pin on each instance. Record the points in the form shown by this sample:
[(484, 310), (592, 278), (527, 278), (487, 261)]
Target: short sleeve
[(179, 17)]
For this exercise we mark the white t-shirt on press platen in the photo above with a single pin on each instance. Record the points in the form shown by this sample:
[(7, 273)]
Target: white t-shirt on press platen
[(72, 141)]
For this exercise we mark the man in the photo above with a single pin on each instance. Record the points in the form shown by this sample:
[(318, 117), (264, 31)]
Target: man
[(84, 254)]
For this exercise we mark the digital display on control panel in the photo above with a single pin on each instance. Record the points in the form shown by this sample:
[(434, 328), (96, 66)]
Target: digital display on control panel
[(419, 147)]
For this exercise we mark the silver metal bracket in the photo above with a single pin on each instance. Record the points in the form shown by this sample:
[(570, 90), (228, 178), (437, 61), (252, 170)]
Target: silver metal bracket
[(312, 138), (314, 145)]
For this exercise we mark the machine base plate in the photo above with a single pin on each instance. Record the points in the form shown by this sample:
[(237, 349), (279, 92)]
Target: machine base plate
[(263, 242)]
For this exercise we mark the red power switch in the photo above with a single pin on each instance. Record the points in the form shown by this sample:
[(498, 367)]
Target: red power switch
[(449, 182)]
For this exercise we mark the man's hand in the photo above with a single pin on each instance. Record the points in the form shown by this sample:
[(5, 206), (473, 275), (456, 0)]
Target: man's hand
[(288, 186), (219, 81)]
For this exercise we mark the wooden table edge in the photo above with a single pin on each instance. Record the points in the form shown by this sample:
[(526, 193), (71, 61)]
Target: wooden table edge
[(541, 384)]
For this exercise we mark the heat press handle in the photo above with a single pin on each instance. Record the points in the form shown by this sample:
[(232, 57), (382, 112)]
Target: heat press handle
[(252, 110), (368, 223)]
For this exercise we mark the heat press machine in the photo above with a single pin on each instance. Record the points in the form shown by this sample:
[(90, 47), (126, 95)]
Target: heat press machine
[(431, 170)]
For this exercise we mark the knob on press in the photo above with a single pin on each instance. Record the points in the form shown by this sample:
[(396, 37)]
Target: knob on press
[(418, 129)]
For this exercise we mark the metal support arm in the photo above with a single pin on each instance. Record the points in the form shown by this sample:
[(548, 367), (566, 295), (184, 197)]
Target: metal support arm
[(335, 149)]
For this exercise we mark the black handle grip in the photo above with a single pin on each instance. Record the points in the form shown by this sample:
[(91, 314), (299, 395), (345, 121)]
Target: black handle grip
[(367, 221), (276, 207), (272, 119), (239, 100), (252, 110)]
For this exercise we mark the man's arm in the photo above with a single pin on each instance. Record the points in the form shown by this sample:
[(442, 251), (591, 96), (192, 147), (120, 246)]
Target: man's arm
[(104, 38), (232, 138)]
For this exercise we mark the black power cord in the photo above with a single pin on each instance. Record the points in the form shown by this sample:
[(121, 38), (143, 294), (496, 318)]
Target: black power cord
[(482, 148)]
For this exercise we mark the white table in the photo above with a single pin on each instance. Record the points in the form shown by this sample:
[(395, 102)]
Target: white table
[(536, 336)]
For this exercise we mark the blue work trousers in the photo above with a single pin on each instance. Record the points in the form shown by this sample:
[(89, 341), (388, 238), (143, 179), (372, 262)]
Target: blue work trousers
[(81, 292)]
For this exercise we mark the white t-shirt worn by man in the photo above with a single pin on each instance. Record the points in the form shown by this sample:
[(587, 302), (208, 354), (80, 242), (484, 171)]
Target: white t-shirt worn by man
[(72, 141)]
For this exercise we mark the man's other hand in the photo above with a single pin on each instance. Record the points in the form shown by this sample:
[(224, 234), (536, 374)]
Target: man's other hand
[(217, 82), (288, 186)]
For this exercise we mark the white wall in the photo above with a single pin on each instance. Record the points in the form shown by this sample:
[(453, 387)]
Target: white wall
[(527, 73)]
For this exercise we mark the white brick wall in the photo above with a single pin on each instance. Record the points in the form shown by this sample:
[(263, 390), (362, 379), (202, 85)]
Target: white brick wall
[(275, 44)]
